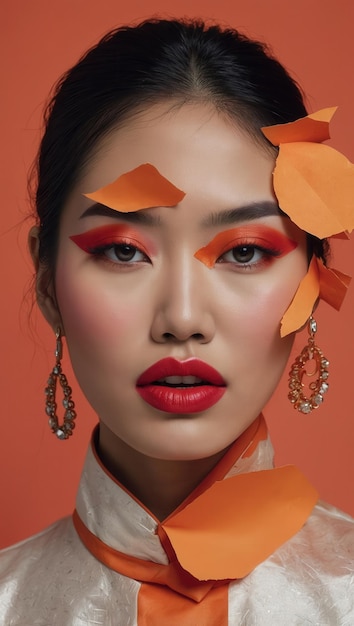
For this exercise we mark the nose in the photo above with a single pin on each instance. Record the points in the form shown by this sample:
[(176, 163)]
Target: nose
[(183, 299)]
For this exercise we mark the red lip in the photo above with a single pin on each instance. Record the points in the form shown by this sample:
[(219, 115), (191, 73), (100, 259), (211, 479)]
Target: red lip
[(182, 400)]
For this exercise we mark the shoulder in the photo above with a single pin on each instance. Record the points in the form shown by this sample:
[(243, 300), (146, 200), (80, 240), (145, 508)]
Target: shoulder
[(38, 553), (26, 569), (309, 579), (57, 534), (52, 578), (331, 526), (325, 545), (320, 565)]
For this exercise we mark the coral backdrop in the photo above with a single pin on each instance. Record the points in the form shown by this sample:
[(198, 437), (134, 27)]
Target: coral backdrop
[(40, 40)]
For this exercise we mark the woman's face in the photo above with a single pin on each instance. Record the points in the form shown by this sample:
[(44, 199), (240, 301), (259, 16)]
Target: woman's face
[(144, 297)]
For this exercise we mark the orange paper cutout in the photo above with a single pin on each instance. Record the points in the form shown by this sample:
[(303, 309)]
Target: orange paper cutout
[(313, 128), (239, 522), (333, 285), (303, 302), (141, 188), (320, 282), (314, 183)]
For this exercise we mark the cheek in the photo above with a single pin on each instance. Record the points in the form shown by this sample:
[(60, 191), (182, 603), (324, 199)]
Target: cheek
[(276, 296), (258, 307), (94, 314)]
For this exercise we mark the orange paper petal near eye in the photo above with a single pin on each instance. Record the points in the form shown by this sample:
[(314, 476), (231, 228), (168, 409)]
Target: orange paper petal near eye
[(333, 285), (141, 188), (303, 302), (244, 518), (208, 254), (314, 185), (320, 282), (313, 127)]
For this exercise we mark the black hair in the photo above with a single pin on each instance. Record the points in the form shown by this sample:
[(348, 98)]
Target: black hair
[(132, 68)]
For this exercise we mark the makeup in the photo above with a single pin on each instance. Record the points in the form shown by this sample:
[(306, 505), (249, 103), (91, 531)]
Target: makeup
[(141, 188), (110, 235), (181, 387), (268, 240), (120, 321)]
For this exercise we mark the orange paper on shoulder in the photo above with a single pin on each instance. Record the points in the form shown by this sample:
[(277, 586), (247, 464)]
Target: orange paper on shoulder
[(239, 522), (141, 188)]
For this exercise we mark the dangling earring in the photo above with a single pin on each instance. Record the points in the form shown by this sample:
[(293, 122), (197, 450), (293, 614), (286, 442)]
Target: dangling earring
[(311, 352), (66, 429)]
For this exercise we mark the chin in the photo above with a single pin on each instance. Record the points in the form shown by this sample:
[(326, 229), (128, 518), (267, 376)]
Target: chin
[(188, 448)]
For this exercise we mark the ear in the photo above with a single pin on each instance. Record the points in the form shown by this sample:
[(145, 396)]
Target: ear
[(45, 289)]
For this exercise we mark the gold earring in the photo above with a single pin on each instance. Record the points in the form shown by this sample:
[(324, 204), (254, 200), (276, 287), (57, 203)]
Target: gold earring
[(64, 430), (318, 387)]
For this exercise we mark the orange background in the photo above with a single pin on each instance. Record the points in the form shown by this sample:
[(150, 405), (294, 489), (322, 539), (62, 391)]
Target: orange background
[(40, 40)]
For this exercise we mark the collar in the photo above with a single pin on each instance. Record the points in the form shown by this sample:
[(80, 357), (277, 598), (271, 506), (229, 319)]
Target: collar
[(240, 513)]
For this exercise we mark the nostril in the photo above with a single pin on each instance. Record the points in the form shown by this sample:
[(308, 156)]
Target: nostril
[(174, 328), (168, 336), (173, 337)]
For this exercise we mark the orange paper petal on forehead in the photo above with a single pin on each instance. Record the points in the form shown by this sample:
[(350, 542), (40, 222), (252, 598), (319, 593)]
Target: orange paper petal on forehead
[(141, 188), (314, 185), (313, 127), (320, 282)]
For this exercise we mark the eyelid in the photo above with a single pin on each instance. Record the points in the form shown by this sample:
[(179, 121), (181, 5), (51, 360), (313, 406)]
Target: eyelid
[(264, 236), (111, 234)]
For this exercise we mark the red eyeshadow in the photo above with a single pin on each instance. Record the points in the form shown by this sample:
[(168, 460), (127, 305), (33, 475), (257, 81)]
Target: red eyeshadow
[(263, 236), (111, 234)]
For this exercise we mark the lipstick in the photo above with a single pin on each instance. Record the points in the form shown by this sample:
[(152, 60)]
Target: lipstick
[(181, 387)]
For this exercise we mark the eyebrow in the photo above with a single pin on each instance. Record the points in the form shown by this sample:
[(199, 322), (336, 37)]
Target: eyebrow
[(248, 212), (135, 216), (252, 211)]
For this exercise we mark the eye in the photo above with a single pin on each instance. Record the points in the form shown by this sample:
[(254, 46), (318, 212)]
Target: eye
[(247, 255), (123, 253), (243, 254), (246, 248)]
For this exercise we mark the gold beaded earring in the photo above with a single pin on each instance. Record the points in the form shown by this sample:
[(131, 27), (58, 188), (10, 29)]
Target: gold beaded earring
[(318, 387), (64, 430)]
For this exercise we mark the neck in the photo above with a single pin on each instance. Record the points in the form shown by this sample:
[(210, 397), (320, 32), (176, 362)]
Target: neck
[(159, 485)]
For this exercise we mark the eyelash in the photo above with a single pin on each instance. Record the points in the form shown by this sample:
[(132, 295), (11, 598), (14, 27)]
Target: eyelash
[(99, 252), (268, 254)]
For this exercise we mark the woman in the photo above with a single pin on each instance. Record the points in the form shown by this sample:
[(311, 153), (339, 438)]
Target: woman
[(164, 259)]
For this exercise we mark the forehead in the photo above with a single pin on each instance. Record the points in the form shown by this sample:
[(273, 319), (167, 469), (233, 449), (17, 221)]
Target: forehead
[(194, 147)]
